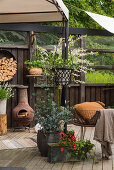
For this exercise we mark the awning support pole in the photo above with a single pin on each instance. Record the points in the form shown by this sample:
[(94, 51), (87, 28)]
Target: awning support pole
[(65, 56)]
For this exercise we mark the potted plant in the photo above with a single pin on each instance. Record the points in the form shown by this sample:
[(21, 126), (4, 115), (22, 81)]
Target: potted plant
[(38, 63), (67, 69), (69, 148), (50, 116), (5, 93)]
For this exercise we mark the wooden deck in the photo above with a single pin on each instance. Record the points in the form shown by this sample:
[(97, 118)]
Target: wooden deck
[(29, 157)]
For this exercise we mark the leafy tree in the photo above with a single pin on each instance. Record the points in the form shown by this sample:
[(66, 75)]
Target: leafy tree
[(80, 19)]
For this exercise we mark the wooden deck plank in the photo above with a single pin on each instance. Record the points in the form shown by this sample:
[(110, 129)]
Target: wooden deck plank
[(77, 166), (87, 165), (67, 166), (40, 164), (24, 156), (97, 165), (107, 164), (57, 166), (113, 159), (48, 166), (32, 163), (30, 157), (4, 163)]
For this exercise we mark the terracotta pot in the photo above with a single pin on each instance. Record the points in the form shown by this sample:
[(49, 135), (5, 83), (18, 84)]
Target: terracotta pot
[(34, 71)]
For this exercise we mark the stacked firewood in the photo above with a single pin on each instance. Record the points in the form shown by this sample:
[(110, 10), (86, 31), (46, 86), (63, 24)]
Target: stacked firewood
[(8, 67)]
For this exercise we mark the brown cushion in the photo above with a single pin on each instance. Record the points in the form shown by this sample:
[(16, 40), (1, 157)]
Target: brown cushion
[(88, 109)]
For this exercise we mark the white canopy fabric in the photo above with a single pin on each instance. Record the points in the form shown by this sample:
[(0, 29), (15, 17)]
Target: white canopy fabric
[(16, 11), (104, 21)]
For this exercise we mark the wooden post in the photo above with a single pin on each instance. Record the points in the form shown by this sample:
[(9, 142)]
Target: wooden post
[(3, 124), (82, 75), (31, 42)]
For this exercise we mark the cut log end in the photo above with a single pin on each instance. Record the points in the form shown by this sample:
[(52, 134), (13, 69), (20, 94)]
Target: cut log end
[(8, 68)]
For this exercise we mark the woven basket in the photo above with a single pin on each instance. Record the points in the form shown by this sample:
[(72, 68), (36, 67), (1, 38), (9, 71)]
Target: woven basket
[(63, 76)]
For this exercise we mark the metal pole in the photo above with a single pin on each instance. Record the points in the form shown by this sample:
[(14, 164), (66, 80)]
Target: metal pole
[(65, 56)]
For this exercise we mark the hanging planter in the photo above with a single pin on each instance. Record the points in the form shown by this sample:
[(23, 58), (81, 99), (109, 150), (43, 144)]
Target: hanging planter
[(63, 76)]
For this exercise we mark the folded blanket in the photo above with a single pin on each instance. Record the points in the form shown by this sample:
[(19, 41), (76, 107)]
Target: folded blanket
[(104, 131)]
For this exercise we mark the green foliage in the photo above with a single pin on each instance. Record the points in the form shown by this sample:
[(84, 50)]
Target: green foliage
[(5, 91), (45, 39), (55, 60), (38, 59), (78, 148), (97, 77), (75, 61), (81, 19), (99, 42), (34, 64), (101, 59), (13, 37), (49, 114)]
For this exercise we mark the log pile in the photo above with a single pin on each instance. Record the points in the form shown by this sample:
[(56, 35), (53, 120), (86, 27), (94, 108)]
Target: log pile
[(8, 67)]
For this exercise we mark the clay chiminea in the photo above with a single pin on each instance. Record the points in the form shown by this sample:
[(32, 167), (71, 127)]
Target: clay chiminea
[(22, 113)]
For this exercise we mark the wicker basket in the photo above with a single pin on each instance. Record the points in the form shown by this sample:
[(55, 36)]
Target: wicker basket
[(63, 76)]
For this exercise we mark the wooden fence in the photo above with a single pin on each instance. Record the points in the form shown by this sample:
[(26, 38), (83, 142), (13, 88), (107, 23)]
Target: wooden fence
[(93, 92), (21, 54)]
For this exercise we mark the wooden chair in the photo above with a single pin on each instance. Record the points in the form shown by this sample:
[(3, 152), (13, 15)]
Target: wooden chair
[(83, 123)]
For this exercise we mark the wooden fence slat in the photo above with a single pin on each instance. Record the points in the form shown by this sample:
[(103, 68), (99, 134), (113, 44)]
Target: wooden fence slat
[(20, 66), (97, 93), (102, 95), (93, 91), (25, 71), (76, 95), (112, 98), (71, 96), (87, 91), (107, 98)]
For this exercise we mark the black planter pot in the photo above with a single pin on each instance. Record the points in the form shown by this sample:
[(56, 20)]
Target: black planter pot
[(63, 76), (43, 139)]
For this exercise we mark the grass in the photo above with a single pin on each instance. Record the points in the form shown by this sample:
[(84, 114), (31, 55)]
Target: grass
[(97, 77)]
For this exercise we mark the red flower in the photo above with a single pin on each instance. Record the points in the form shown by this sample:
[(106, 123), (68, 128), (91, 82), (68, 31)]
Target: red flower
[(74, 138), (75, 147), (61, 149), (62, 133), (63, 142)]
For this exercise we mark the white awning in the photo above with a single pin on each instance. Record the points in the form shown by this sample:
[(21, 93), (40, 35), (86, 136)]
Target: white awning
[(17, 11), (104, 21)]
